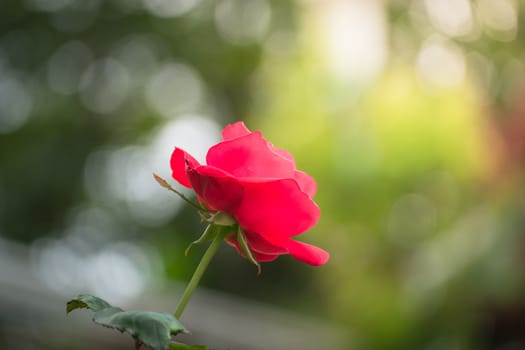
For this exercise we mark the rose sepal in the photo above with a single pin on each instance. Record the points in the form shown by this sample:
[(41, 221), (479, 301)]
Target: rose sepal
[(209, 234), (246, 250), (222, 218)]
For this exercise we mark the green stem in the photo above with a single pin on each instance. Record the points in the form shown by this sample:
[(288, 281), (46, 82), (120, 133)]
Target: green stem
[(166, 185), (197, 275), (187, 200)]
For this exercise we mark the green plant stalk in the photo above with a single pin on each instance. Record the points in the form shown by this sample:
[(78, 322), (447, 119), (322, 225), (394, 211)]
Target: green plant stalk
[(166, 185), (197, 275)]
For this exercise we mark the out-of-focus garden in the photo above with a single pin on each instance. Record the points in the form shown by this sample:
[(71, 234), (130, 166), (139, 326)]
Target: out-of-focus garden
[(409, 114)]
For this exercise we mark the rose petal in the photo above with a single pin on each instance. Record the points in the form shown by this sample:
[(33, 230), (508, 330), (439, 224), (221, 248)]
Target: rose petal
[(239, 129), (307, 253), (306, 182), (264, 257), (282, 152), (301, 251), (260, 257), (277, 208), (232, 131), (178, 161), (250, 156), (216, 188), (259, 245)]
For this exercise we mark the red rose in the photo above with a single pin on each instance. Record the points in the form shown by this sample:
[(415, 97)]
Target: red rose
[(258, 185)]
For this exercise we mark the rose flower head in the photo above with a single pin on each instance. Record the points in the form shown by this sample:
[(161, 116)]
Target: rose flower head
[(259, 186)]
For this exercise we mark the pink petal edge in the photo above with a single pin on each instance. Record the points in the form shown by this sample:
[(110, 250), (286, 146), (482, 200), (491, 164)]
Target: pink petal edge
[(260, 245), (307, 253), (235, 130), (260, 257), (178, 161), (250, 156), (306, 182)]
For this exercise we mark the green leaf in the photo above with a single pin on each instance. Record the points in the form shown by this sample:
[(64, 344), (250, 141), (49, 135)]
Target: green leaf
[(180, 346), (245, 248), (153, 329), (87, 301)]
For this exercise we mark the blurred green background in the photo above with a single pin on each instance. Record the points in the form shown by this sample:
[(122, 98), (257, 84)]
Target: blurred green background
[(409, 114)]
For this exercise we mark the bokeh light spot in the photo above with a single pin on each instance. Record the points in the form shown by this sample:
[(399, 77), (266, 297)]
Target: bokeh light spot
[(104, 85), (452, 17), (66, 66), (169, 8), (125, 174), (242, 21), (15, 104), (47, 5), (500, 17), (355, 38), (139, 54), (441, 64), (174, 89)]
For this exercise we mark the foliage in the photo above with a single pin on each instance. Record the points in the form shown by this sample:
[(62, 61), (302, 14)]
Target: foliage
[(153, 329)]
